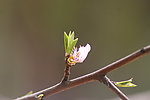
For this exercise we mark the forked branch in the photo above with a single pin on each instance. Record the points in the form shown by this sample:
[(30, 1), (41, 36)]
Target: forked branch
[(113, 87), (94, 76)]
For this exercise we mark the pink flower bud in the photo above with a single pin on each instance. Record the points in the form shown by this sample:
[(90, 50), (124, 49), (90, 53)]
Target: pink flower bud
[(78, 56)]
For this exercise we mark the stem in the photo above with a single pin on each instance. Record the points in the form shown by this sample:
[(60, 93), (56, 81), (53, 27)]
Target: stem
[(113, 87), (67, 70), (88, 77), (66, 74)]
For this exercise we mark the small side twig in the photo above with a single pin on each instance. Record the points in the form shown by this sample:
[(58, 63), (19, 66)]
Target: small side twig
[(67, 70), (113, 87), (66, 74)]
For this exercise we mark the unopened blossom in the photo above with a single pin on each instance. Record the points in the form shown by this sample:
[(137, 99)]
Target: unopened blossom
[(79, 55)]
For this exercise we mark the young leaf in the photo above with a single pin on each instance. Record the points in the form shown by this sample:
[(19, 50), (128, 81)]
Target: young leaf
[(65, 41), (74, 43), (71, 35), (69, 42), (126, 83), (40, 96)]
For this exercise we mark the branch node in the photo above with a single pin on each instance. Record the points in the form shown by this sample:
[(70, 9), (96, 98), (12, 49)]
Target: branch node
[(113, 87), (142, 50), (105, 80)]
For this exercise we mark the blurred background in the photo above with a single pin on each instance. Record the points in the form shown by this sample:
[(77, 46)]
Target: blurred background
[(32, 52)]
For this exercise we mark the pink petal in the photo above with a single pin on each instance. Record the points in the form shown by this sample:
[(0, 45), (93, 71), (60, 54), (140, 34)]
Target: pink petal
[(84, 52)]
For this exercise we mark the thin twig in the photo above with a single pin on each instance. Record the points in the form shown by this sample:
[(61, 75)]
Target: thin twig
[(66, 74), (113, 87), (88, 77), (67, 70)]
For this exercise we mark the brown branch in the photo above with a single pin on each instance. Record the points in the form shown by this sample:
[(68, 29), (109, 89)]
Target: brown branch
[(67, 70), (124, 60), (88, 77), (113, 87)]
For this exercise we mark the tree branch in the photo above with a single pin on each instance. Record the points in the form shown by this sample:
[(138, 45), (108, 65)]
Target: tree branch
[(94, 76), (67, 70), (113, 87)]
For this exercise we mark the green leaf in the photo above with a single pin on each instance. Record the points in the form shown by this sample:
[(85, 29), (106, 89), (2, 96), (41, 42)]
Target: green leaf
[(74, 42), (71, 35), (40, 96), (65, 41), (126, 83), (69, 42)]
